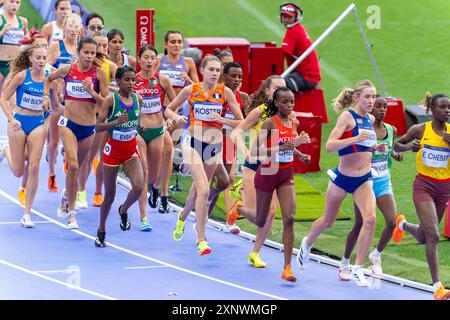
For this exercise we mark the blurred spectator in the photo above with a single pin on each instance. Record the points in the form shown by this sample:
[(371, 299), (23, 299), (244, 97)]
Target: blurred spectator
[(296, 41)]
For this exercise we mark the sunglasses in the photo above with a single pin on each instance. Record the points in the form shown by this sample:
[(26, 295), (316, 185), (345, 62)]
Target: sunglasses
[(288, 9), (94, 27)]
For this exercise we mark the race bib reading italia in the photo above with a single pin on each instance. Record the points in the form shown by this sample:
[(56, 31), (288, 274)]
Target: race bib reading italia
[(435, 157)]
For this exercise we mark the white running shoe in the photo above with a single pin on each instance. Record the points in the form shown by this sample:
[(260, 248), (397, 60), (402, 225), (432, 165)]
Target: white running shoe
[(377, 270), (233, 229), (72, 223), (303, 254), (63, 208), (26, 221), (345, 273), (359, 277)]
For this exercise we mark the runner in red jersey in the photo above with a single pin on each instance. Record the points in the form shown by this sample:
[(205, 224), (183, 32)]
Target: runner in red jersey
[(277, 139), (85, 84)]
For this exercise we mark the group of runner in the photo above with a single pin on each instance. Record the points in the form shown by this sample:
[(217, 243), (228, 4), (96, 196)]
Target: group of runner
[(73, 83)]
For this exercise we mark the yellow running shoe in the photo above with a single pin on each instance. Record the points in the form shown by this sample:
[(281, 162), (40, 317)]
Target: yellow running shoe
[(203, 248), (442, 293), (256, 261), (177, 234), (98, 200), (22, 195), (288, 275), (81, 200)]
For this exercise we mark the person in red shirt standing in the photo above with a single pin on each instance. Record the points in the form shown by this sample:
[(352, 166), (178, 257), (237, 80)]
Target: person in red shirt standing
[(295, 42)]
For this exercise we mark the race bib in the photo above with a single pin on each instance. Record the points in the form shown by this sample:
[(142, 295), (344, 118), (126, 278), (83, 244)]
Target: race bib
[(62, 122), (368, 142), (174, 77), (13, 36), (435, 157), (285, 156), (75, 89), (228, 115), (204, 112), (124, 135), (380, 167), (151, 105), (107, 149), (31, 102)]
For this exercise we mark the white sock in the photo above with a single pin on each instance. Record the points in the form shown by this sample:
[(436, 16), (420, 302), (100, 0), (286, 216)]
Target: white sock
[(400, 224), (355, 268), (306, 246), (376, 253), (436, 285), (345, 262)]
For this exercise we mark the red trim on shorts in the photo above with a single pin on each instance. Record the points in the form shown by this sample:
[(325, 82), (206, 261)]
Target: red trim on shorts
[(433, 179)]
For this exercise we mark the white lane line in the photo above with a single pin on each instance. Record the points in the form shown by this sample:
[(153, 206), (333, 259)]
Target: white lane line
[(131, 252), (279, 30), (145, 267), (65, 284), (18, 222)]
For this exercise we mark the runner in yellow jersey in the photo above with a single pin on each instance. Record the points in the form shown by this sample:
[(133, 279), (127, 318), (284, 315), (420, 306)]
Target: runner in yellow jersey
[(431, 188)]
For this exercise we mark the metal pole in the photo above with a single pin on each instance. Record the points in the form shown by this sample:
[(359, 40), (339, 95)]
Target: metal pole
[(318, 41), (372, 58)]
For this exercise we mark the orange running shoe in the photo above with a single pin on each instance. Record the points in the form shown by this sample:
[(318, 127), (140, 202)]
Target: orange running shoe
[(95, 163), (232, 215), (98, 200), (442, 293), (22, 195), (51, 182), (66, 166), (397, 234), (288, 275)]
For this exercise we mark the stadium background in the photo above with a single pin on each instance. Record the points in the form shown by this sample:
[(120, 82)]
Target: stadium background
[(412, 55)]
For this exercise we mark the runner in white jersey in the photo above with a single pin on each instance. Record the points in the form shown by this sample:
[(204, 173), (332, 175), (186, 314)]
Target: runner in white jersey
[(53, 30)]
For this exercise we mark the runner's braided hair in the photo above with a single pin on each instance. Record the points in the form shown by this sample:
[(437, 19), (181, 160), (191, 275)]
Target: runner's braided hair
[(272, 109), (430, 100)]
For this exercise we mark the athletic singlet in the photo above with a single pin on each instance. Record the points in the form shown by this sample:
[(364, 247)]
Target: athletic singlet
[(283, 135), (172, 71), (202, 107), (227, 113), (254, 130), (105, 66), (65, 58), (381, 161), (362, 124), (152, 93), (126, 131), (13, 35), (29, 94), (432, 158), (57, 33), (74, 84)]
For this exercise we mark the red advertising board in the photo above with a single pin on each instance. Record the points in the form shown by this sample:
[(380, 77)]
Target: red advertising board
[(144, 28)]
